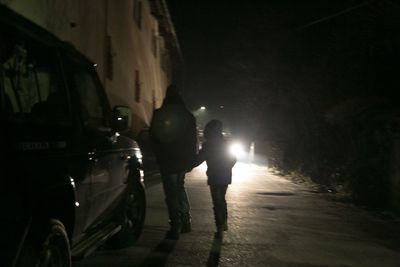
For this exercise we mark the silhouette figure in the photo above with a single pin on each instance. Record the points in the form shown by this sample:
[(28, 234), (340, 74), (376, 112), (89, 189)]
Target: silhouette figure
[(219, 171), (174, 142)]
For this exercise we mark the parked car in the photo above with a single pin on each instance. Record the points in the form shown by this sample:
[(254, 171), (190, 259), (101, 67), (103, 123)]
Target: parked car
[(70, 181)]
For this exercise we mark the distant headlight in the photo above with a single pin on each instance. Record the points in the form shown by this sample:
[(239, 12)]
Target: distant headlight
[(236, 149)]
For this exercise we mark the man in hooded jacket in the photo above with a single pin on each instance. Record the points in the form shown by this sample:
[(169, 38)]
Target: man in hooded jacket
[(174, 142)]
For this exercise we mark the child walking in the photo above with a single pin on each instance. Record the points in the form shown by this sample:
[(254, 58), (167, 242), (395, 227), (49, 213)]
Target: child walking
[(219, 171)]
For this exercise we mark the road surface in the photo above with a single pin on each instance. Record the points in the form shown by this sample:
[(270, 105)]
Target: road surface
[(272, 222)]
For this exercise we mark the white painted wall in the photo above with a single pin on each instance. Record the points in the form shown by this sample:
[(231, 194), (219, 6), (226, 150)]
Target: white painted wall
[(86, 24)]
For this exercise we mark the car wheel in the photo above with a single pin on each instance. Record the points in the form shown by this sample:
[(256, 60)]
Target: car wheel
[(131, 218), (47, 245)]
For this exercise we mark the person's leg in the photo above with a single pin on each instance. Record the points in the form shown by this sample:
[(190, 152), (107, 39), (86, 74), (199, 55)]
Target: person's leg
[(217, 199), (224, 206), (184, 205), (170, 184)]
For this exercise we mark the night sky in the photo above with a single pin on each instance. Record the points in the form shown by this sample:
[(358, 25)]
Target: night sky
[(263, 60)]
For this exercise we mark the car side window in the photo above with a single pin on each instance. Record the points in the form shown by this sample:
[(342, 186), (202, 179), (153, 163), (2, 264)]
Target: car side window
[(90, 99), (32, 87), (92, 111)]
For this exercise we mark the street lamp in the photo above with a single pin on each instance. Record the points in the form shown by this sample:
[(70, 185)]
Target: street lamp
[(201, 115)]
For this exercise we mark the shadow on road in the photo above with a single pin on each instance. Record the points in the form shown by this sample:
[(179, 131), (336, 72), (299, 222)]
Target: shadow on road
[(159, 256), (215, 253)]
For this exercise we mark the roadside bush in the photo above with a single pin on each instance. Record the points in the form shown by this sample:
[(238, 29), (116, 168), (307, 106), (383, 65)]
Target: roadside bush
[(368, 181)]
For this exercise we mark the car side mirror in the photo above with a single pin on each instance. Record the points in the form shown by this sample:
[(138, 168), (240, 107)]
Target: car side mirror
[(122, 117)]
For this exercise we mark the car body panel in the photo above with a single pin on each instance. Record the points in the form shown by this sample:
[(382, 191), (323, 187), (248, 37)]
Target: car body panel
[(60, 156)]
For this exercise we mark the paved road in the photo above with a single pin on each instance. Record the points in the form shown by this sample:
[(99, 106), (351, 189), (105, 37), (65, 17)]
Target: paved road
[(272, 222)]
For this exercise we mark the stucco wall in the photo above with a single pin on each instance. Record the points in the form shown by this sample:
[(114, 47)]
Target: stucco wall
[(87, 24), (132, 51)]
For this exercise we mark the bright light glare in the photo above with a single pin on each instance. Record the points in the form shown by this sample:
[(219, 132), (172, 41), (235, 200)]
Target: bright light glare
[(236, 149), (203, 166), (202, 107)]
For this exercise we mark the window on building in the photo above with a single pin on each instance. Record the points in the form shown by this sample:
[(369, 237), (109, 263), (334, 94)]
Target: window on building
[(154, 99), (109, 58), (165, 61), (154, 43), (137, 86), (137, 13)]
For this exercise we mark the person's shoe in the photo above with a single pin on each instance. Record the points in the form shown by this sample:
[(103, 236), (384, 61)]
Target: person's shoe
[(172, 234), (186, 228)]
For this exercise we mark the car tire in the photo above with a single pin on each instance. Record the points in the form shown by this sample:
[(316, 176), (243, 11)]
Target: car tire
[(46, 245), (131, 217)]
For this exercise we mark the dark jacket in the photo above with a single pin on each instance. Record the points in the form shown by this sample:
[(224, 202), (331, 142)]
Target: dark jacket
[(219, 161), (173, 136)]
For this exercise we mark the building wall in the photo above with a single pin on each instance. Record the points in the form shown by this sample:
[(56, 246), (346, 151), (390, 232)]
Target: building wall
[(107, 33)]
